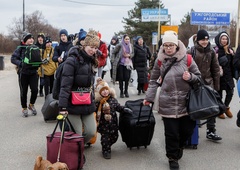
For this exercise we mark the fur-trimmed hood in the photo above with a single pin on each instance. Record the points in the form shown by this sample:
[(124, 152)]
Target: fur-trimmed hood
[(112, 93)]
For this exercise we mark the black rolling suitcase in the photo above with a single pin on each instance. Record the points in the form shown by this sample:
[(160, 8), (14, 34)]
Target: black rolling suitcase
[(137, 128), (50, 108)]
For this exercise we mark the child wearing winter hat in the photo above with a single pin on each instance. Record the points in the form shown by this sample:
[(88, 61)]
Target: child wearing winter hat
[(107, 105)]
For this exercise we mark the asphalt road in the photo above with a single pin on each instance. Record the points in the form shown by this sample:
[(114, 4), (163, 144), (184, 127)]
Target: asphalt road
[(25, 138)]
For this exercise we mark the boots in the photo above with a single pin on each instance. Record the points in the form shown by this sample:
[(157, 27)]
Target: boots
[(126, 94), (121, 94), (221, 116), (228, 112)]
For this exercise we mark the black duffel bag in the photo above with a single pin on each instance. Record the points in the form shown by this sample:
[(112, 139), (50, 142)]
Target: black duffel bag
[(203, 102)]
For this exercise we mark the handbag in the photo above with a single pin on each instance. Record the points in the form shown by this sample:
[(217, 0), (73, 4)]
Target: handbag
[(81, 97), (203, 102)]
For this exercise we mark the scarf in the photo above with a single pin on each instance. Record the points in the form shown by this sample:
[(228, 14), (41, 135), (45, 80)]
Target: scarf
[(102, 102)]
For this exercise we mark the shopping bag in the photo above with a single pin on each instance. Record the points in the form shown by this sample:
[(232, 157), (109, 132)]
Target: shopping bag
[(133, 79)]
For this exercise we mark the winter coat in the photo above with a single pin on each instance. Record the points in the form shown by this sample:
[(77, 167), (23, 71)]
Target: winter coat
[(141, 55), (116, 59), (77, 73), (236, 63), (50, 67), (63, 46), (174, 90), (102, 58), (17, 58), (207, 63), (226, 61), (109, 126)]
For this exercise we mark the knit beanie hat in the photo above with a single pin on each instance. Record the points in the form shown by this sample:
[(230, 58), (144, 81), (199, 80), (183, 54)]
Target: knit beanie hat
[(202, 34), (99, 35), (91, 39), (26, 36), (48, 39), (138, 37), (170, 36), (63, 31), (82, 34), (101, 85), (41, 35)]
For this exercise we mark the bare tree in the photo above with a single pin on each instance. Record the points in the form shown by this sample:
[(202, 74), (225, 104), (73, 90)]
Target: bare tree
[(35, 23)]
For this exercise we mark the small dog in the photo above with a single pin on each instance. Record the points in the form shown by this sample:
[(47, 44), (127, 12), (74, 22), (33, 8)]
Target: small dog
[(42, 164)]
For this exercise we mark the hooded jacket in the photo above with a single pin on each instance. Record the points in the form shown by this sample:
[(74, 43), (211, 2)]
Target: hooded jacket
[(226, 61), (174, 90), (207, 63)]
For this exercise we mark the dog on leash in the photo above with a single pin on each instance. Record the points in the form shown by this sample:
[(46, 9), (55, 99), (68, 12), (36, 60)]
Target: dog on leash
[(42, 164)]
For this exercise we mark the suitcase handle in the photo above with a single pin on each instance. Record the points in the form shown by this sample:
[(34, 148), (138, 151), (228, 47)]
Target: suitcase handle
[(141, 105)]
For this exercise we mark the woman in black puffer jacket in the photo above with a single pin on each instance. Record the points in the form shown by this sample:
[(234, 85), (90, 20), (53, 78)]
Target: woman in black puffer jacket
[(141, 55), (78, 72), (225, 57)]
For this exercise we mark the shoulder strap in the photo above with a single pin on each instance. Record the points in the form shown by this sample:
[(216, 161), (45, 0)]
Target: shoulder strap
[(193, 52), (166, 71), (189, 60)]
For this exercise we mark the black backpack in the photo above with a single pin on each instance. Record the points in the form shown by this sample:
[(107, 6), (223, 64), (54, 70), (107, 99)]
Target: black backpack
[(57, 82), (32, 56)]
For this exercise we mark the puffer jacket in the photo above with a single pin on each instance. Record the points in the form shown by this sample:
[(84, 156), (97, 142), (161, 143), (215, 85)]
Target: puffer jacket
[(174, 90), (207, 63), (77, 73), (141, 55), (63, 46), (17, 58)]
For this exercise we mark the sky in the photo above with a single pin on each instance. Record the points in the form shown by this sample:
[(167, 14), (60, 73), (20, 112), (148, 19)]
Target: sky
[(105, 16)]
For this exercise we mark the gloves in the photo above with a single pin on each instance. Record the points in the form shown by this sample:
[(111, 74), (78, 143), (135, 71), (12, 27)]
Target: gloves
[(127, 110), (45, 61), (99, 52), (63, 111)]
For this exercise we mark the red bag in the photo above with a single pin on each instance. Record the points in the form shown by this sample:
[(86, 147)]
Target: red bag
[(81, 98), (69, 151)]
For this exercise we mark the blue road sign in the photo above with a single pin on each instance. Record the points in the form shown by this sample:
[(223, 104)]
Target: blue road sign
[(210, 18), (153, 15)]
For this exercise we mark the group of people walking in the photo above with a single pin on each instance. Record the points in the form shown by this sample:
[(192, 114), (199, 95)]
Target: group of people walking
[(84, 59)]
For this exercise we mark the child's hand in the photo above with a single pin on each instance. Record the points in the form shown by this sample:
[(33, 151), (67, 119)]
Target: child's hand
[(127, 110)]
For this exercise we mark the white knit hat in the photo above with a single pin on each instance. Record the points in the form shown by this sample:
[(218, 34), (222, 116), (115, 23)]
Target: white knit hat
[(170, 36)]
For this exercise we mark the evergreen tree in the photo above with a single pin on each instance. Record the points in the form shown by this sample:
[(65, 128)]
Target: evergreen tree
[(133, 24)]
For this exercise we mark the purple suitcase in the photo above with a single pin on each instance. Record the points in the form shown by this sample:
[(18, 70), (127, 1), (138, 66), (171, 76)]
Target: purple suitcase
[(71, 149)]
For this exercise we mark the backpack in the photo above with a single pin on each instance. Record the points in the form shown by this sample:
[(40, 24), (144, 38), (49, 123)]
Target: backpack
[(32, 56), (57, 81)]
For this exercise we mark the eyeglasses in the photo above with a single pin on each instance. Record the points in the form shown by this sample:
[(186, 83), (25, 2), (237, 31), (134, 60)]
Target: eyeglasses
[(170, 46)]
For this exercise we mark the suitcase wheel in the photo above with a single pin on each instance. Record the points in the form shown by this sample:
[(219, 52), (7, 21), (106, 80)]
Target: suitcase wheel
[(145, 146)]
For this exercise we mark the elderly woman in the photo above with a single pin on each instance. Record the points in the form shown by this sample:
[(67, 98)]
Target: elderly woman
[(172, 99), (78, 73)]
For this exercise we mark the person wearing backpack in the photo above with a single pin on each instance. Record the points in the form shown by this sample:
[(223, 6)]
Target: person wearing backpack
[(78, 75), (206, 60), (61, 51), (27, 75)]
